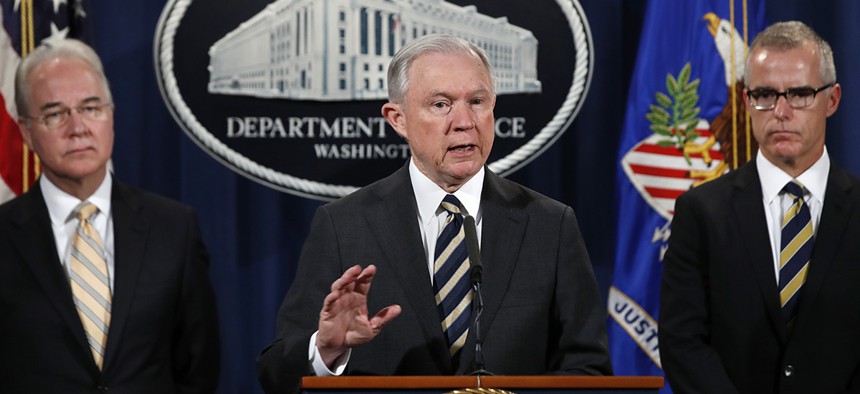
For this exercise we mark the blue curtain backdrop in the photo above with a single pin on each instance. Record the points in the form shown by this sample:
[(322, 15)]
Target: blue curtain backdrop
[(254, 233)]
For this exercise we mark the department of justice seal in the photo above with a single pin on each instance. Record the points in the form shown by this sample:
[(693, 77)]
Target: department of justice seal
[(288, 92)]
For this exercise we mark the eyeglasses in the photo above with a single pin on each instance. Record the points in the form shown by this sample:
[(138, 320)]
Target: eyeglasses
[(764, 99), (60, 116)]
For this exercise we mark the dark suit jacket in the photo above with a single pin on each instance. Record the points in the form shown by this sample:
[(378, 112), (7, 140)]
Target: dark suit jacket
[(542, 310), (720, 325), (163, 335)]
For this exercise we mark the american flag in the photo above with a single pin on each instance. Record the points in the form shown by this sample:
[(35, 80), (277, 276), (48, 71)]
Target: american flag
[(26, 24)]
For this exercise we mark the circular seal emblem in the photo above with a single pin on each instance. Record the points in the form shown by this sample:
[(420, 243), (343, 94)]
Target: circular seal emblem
[(289, 92)]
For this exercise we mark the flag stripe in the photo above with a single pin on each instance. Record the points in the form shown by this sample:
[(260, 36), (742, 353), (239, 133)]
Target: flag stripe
[(672, 151), (659, 171), (664, 193)]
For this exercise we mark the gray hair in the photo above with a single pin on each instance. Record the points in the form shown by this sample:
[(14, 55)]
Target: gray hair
[(53, 49), (783, 36), (398, 69)]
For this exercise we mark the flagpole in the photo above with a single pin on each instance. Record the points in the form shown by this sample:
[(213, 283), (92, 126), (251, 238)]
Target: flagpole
[(746, 53), (732, 91), (27, 45)]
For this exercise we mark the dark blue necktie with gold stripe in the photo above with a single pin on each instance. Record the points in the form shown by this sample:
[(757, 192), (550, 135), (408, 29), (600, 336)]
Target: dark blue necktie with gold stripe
[(451, 279), (795, 251)]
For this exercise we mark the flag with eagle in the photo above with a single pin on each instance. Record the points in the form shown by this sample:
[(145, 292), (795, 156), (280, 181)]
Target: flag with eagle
[(26, 23), (685, 124)]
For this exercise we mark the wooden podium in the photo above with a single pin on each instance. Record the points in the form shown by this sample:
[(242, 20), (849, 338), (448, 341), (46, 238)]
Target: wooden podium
[(545, 384)]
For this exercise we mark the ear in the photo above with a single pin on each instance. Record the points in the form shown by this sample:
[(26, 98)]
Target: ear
[(393, 113), (746, 99), (26, 133), (833, 100)]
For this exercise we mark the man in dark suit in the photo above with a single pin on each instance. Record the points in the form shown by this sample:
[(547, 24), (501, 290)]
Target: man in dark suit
[(117, 299), (542, 312), (760, 286)]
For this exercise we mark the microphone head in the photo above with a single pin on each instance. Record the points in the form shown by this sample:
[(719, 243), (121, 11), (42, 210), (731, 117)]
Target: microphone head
[(471, 233), (469, 222)]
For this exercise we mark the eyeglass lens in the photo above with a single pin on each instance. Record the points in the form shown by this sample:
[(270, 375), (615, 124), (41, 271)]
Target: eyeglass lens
[(800, 97)]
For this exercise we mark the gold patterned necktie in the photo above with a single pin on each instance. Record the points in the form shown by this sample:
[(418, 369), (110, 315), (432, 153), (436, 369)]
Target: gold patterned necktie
[(795, 251), (451, 280), (89, 281)]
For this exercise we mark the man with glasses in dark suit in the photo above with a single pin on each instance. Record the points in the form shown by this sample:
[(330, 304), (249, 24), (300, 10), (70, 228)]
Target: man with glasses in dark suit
[(103, 287), (760, 285)]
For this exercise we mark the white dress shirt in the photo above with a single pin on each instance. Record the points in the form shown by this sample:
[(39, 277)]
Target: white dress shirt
[(432, 216), (61, 207), (773, 179)]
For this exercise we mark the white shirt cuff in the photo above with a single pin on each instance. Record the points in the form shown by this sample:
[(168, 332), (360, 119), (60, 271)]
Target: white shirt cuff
[(316, 361)]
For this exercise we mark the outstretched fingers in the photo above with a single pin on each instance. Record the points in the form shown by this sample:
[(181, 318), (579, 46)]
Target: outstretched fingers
[(344, 319), (364, 279), (346, 282), (384, 316)]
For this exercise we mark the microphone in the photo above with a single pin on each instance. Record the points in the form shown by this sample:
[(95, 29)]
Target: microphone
[(471, 231), (477, 270)]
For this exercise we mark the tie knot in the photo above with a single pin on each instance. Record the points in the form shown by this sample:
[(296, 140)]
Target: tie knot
[(451, 204), (84, 211), (794, 188)]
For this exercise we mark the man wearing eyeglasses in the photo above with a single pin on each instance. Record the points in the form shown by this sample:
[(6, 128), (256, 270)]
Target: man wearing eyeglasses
[(761, 281), (103, 287)]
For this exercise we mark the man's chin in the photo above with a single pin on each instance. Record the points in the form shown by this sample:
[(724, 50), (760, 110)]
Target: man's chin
[(783, 150), (465, 170)]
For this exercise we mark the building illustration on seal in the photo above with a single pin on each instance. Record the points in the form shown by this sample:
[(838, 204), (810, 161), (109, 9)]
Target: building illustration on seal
[(338, 50)]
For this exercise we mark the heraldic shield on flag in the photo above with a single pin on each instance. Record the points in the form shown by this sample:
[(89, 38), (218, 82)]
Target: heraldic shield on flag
[(288, 92), (685, 124)]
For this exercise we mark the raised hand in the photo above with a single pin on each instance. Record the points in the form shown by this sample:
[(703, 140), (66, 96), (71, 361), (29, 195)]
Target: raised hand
[(344, 322)]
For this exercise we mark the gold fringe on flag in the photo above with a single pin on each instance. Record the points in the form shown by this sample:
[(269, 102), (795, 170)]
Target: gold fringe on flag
[(733, 98), (747, 114), (27, 45)]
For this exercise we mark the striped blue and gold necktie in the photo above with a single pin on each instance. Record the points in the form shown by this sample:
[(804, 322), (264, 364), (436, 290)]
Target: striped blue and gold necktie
[(89, 281), (451, 279), (795, 252)]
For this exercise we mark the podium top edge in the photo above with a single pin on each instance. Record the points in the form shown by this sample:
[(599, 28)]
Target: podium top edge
[(501, 382)]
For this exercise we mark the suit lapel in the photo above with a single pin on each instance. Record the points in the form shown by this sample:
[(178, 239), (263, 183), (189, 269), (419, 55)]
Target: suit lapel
[(38, 247), (751, 222), (503, 226), (392, 218), (130, 227), (829, 236)]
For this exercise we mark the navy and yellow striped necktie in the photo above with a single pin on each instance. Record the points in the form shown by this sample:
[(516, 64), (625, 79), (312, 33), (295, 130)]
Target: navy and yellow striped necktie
[(451, 279), (795, 251)]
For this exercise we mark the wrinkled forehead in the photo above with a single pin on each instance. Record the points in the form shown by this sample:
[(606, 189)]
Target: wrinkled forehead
[(442, 59)]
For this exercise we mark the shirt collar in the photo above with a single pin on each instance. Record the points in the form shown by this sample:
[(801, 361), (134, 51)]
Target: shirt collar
[(61, 204), (429, 195), (773, 178)]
